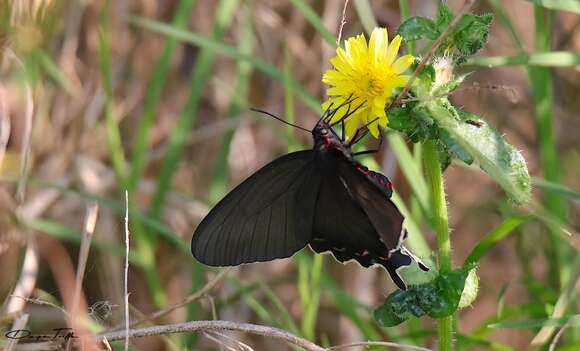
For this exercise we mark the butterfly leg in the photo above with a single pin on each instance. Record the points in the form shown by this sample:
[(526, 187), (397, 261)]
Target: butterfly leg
[(370, 151)]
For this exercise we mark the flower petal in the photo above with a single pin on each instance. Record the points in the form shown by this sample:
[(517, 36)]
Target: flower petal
[(403, 63), (340, 112), (368, 72), (400, 81), (378, 44), (374, 129), (379, 107), (393, 50), (350, 125)]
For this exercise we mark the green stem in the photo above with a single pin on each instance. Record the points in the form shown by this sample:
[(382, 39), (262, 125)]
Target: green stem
[(441, 224)]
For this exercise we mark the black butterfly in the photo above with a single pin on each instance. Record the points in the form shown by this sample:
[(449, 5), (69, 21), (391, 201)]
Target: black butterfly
[(321, 197)]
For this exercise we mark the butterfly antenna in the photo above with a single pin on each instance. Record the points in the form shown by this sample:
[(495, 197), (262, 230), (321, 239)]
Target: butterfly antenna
[(279, 119), (341, 121), (328, 109), (349, 100), (348, 114), (354, 137)]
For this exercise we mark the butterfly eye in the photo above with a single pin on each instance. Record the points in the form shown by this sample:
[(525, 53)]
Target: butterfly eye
[(323, 131)]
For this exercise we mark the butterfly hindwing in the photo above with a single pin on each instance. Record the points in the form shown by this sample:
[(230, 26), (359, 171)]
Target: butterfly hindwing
[(342, 226), (267, 216), (374, 199)]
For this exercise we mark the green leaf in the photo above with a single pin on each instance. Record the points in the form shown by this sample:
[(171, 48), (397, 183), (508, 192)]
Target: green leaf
[(495, 156), (547, 59), (386, 315), (416, 28), (437, 299), (572, 321), (456, 149), (556, 189), (448, 87), (491, 238), (564, 5), (471, 33), (413, 122), (444, 15)]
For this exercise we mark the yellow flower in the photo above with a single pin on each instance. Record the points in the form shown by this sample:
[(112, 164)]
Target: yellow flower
[(368, 74)]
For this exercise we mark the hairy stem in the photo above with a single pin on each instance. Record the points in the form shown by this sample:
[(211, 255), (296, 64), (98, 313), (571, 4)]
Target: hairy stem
[(441, 224)]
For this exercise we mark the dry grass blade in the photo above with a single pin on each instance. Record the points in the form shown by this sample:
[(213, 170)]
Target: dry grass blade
[(571, 290), (126, 272), (27, 279), (366, 344), (4, 125), (25, 149), (42, 302), (215, 326), (557, 337), (88, 230), (227, 340), (19, 323), (41, 346)]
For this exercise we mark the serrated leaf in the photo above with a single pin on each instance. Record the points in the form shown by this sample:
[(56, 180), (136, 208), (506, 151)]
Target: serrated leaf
[(444, 15), (437, 299), (416, 28), (444, 156), (412, 122), (456, 149), (503, 162), (448, 287), (471, 33)]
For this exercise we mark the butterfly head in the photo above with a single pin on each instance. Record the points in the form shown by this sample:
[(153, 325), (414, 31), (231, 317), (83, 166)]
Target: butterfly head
[(325, 139)]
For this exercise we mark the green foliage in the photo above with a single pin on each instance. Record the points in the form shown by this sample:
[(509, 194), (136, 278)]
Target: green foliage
[(416, 126), (570, 321), (546, 59), (416, 28), (492, 237), (444, 15), (438, 299), (461, 135), (488, 147), (464, 136), (469, 35), (557, 189), (564, 5)]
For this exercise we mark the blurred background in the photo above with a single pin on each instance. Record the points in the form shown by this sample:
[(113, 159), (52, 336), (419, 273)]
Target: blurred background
[(152, 96)]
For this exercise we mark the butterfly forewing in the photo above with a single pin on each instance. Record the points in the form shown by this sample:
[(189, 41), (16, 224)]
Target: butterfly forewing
[(267, 216)]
